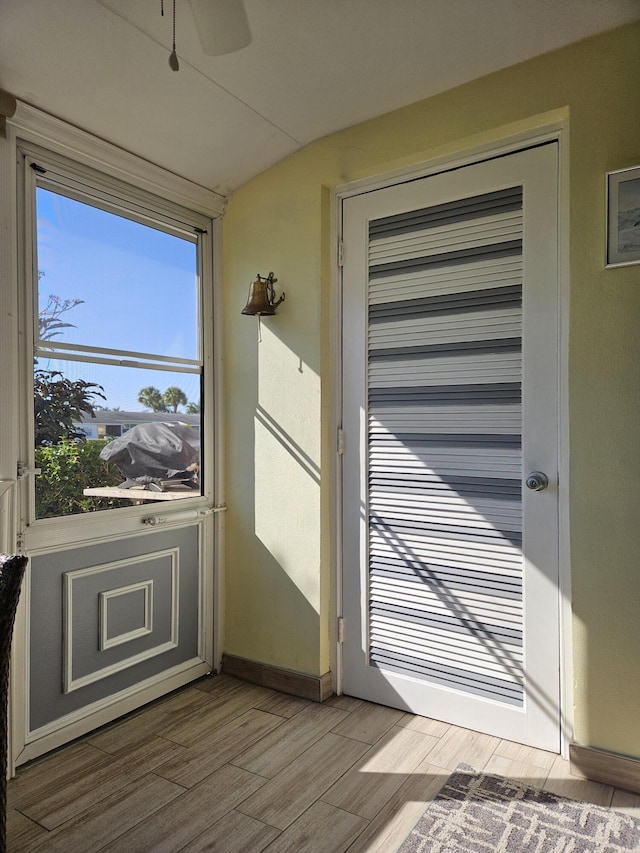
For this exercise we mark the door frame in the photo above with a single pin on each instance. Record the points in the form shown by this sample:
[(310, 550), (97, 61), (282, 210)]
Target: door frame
[(542, 129), (31, 126)]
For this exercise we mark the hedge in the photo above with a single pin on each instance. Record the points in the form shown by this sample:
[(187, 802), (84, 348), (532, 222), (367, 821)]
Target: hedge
[(68, 468)]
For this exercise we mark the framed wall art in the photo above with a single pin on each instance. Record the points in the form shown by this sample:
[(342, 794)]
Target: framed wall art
[(623, 217)]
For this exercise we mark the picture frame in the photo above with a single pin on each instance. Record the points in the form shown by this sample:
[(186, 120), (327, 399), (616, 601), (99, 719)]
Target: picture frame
[(623, 217)]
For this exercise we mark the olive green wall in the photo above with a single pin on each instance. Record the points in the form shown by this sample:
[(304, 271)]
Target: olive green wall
[(279, 446)]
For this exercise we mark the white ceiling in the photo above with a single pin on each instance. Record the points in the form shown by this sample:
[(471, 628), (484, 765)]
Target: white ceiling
[(314, 66)]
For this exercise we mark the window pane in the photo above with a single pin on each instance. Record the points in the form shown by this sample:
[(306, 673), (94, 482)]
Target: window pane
[(145, 435), (106, 281)]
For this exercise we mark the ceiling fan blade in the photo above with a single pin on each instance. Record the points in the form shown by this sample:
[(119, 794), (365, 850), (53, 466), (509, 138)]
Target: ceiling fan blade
[(222, 25)]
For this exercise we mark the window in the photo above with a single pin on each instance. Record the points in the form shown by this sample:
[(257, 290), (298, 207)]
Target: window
[(118, 352)]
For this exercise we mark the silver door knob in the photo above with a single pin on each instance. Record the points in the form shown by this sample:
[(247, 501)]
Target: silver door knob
[(537, 481)]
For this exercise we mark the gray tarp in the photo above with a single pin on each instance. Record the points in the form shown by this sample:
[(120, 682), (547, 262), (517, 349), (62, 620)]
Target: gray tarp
[(155, 452)]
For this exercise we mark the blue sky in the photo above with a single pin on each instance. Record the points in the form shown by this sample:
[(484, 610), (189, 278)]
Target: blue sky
[(139, 291)]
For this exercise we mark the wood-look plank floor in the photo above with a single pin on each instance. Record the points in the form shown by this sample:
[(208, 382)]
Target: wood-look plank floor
[(226, 766)]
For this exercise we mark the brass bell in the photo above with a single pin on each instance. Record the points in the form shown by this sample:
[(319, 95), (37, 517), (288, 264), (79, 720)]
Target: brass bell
[(262, 298)]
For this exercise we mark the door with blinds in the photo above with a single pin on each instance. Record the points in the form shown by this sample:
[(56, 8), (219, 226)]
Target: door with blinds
[(450, 417)]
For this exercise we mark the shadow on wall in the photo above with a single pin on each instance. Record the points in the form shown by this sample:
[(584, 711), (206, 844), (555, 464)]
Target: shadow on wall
[(273, 522), (287, 443), (268, 619)]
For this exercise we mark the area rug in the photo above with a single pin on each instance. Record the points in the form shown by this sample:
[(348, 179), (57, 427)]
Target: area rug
[(481, 813)]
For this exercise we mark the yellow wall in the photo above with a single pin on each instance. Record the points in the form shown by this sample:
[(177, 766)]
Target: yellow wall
[(278, 440)]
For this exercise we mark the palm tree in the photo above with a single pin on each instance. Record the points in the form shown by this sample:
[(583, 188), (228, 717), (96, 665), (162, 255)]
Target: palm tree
[(193, 408), (151, 398), (174, 397)]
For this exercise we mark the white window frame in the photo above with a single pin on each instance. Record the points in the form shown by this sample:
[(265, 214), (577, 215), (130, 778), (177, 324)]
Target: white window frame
[(64, 178)]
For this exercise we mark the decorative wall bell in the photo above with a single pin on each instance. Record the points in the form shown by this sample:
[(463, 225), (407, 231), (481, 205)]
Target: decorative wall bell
[(262, 297)]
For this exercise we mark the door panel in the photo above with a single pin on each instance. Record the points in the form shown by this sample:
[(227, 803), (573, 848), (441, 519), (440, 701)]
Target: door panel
[(126, 611), (450, 366)]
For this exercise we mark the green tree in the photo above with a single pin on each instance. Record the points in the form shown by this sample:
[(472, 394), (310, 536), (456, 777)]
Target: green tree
[(59, 403), (151, 398), (193, 408), (174, 397)]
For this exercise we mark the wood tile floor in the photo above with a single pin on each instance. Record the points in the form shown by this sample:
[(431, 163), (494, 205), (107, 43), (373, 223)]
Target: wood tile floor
[(227, 766)]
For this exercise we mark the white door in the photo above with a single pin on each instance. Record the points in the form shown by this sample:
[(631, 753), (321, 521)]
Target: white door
[(450, 382), (115, 493)]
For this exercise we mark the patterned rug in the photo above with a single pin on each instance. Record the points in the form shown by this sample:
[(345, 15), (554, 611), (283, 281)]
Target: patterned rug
[(479, 813)]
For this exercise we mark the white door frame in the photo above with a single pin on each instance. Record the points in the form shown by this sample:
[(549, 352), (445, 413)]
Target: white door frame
[(544, 131), (32, 126)]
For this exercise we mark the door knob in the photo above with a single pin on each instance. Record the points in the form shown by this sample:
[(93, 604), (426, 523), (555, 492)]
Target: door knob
[(537, 481)]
